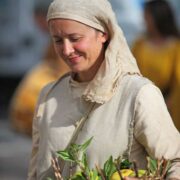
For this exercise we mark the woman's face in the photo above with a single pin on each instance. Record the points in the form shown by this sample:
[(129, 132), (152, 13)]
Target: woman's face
[(81, 46)]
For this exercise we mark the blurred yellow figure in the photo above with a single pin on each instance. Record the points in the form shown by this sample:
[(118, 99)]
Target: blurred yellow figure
[(157, 62), (158, 52), (174, 100), (25, 98)]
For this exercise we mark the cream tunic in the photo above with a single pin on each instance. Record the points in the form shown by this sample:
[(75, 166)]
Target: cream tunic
[(136, 115)]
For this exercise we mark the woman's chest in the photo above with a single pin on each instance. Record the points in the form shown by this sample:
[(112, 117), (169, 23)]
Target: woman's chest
[(108, 124)]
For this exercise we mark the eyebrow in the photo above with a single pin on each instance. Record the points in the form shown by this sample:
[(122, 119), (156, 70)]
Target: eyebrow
[(73, 34), (56, 36)]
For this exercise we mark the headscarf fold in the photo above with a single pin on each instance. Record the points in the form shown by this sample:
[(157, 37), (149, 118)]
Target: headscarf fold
[(118, 58)]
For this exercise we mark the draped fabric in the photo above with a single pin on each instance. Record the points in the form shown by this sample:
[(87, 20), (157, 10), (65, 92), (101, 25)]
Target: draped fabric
[(118, 58)]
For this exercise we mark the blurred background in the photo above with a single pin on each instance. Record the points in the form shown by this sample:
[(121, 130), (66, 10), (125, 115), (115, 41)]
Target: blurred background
[(23, 44)]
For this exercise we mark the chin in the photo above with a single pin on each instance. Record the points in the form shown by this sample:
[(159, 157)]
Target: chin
[(77, 69)]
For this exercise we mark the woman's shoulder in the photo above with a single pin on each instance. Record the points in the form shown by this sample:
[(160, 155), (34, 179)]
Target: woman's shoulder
[(55, 84), (143, 84), (135, 80), (141, 87), (131, 85)]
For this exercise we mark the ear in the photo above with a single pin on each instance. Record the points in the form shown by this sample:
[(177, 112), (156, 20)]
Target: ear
[(102, 36), (105, 37)]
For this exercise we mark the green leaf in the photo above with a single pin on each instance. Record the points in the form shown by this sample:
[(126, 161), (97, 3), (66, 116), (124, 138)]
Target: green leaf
[(78, 176), (125, 164), (109, 167), (66, 156), (84, 146), (85, 163), (74, 147), (169, 166), (48, 178), (94, 175), (152, 165)]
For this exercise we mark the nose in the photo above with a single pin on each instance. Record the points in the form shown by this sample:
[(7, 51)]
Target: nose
[(67, 48)]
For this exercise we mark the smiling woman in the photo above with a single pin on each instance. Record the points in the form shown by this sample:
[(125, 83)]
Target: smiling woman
[(104, 97), (81, 47)]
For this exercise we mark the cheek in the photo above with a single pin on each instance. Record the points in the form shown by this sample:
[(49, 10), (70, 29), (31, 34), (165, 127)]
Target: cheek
[(82, 46), (57, 50), (88, 47)]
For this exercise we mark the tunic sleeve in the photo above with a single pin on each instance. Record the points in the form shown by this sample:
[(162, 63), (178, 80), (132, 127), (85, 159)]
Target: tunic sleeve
[(154, 128), (32, 172), (35, 143)]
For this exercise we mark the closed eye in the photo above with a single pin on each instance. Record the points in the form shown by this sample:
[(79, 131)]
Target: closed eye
[(58, 40), (75, 38)]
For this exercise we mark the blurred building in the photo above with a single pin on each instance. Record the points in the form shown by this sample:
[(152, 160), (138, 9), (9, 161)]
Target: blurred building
[(22, 45), (176, 6), (21, 41), (130, 17)]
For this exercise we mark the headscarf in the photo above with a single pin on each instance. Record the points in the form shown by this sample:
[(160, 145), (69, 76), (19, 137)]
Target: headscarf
[(118, 58)]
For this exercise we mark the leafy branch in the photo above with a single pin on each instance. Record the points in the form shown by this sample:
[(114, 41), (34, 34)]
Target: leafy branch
[(114, 169)]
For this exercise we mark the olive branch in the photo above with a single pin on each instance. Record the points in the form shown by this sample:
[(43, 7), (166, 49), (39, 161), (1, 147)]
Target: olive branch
[(113, 169)]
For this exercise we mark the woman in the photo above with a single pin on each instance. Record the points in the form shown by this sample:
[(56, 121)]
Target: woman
[(158, 52), (104, 96)]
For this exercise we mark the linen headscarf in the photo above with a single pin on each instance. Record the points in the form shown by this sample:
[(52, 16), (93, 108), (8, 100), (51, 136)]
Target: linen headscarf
[(118, 58)]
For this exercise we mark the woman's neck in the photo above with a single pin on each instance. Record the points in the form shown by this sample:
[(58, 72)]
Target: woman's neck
[(89, 74)]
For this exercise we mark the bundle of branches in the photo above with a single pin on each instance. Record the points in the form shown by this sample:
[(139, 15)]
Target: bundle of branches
[(114, 169)]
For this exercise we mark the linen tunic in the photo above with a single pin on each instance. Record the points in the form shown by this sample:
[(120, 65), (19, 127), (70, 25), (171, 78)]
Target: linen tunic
[(134, 121)]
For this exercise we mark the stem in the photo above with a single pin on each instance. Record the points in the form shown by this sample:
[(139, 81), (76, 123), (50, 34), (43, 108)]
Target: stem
[(83, 170), (100, 172), (159, 162), (56, 168), (119, 171), (164, 164), (71, 169)]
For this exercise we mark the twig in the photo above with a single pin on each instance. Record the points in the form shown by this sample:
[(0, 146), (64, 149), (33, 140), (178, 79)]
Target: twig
[(71, 169), (159, 163), (56, 168), (83, 171), (100, 172), (119, 171), (164, 166)]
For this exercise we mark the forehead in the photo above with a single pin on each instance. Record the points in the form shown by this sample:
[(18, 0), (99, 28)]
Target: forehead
[(66, 26)]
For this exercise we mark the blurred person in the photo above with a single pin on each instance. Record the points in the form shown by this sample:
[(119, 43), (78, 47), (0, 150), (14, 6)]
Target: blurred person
[(158, 51), (50, 68), (174, 99), (105, 97)]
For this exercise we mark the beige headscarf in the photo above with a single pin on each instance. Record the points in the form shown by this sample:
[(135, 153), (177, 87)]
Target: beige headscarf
[(118, 58)]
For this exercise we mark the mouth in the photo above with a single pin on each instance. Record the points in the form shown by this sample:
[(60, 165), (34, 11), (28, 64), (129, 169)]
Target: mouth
[(74, 59)]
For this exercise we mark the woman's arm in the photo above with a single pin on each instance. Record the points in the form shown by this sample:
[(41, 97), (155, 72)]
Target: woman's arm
[(35, 144), (154, 128), (32, 172)]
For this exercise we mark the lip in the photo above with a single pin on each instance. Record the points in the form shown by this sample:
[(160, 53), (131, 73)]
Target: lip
[(74, 59)]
